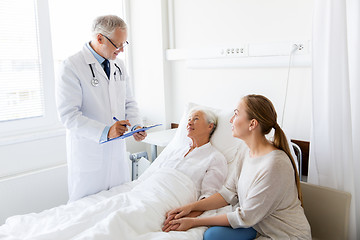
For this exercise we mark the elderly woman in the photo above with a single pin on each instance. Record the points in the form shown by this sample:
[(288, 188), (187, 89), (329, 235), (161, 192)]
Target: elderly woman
[(265, 187), (178, 176), (200, 161)]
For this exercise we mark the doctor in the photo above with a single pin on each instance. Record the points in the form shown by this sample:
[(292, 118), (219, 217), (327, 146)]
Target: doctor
[(92, 90)]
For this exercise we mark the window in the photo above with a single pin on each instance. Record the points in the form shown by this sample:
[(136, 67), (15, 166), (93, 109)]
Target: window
[(71, 26), (26, 71), (28, 52), (21, 78)]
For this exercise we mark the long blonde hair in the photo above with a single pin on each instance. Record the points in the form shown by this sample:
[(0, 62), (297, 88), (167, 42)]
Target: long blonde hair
[(260, 108)]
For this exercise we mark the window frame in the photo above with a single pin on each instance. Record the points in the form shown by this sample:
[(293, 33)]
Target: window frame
[(48, 125), (20, 130)]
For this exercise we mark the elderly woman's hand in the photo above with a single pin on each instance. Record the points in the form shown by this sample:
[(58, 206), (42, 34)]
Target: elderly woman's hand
[(176, 214), (181, 211), (167, 226)]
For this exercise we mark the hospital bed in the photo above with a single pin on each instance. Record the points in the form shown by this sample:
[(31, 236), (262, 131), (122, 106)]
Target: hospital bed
[(110, 214)]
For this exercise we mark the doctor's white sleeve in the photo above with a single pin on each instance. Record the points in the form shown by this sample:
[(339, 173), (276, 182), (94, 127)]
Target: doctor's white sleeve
[(69, 102)]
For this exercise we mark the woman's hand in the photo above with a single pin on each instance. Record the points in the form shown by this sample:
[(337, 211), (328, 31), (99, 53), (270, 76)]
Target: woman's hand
[(175, 214), (167, 226), (173, 227), (182, 224), (180, 212)]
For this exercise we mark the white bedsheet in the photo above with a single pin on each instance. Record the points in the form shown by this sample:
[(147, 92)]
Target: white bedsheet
[(116, 214)]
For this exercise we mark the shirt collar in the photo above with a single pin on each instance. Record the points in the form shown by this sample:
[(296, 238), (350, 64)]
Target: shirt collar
[(99, 58), (206, 145)]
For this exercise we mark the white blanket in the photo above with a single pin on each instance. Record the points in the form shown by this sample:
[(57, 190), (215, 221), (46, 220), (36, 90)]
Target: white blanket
[(135, 214)]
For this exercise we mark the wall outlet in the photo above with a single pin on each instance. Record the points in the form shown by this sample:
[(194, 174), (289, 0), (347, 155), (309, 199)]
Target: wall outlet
[(236, 51), (302, 48), (243, 50)]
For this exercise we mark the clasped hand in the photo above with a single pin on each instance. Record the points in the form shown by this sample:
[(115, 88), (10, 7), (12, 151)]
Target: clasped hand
[(178, 220)]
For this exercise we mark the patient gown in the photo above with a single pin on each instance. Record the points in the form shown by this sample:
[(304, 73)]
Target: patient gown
[(205, 165)]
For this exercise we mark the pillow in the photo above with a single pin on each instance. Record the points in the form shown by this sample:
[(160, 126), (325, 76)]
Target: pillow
[(222, 138)]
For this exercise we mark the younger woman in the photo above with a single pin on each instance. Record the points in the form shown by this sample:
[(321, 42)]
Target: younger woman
[(265, 186)]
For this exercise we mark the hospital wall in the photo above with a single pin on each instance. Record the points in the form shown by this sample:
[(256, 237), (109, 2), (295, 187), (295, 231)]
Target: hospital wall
[(33, 172), (195, 24)]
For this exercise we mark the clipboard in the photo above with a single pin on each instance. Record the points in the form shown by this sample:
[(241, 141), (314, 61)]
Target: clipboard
[(128, 134)]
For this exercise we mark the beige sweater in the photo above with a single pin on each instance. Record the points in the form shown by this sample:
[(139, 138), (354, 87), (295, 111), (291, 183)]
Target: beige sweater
[(265, 194)]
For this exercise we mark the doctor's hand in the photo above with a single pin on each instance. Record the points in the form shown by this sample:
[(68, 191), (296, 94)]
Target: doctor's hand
[(139, 136), (118, 128)]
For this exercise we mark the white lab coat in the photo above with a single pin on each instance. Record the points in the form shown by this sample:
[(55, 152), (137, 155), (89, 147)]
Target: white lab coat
[(85, 110)]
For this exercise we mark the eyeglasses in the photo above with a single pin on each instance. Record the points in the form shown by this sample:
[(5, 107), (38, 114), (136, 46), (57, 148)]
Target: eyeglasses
[(117, 48)]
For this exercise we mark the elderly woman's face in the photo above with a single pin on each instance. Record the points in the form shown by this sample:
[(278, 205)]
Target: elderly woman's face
[(198, 126)]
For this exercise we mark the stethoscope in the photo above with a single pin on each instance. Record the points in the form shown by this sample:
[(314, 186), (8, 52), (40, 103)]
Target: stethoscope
[(94, 80)]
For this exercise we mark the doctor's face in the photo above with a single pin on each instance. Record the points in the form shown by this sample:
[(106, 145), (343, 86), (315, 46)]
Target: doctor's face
[(240, 122), (114, 44), (198, 126)]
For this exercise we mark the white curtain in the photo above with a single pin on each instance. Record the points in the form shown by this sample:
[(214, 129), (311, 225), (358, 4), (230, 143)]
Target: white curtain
[(335, 134)]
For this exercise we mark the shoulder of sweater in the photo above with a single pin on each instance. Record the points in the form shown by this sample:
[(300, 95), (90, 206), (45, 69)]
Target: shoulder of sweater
[(278, 156), (278, 160)]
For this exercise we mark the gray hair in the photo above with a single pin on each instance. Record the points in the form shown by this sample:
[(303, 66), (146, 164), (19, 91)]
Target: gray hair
[(106, 25), (210, 116)]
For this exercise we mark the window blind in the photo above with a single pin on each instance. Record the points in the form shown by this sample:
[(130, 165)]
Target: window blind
[(21, 83)]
